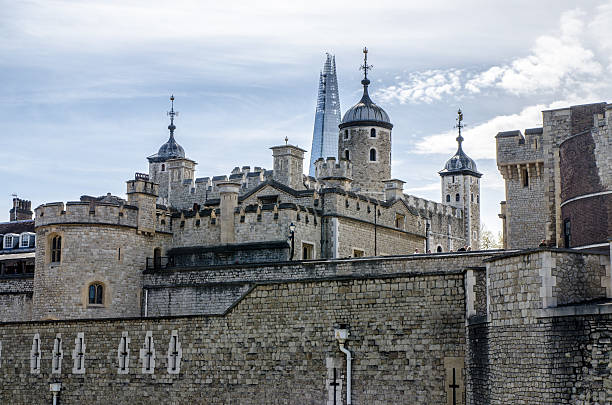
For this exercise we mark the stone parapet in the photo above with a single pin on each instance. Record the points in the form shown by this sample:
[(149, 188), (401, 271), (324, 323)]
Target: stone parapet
[(77, 212)]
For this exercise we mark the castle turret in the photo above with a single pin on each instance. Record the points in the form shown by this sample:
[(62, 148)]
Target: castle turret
[(170, 168), (334, 173), (289, 166), (365, 140), (461, 188), (143, 193)]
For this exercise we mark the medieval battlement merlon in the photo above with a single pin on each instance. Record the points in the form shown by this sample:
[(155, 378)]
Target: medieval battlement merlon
[(141, 184), (332, 167), (518, 153), (79, 212), (336, 173), (429, 207)]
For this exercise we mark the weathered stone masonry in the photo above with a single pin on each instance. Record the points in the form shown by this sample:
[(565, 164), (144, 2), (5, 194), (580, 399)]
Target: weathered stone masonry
[(270, 348)]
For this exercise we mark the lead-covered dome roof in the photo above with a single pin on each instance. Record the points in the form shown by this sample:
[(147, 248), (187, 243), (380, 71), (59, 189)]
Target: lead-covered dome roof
[(460, 163), (366, 112), (171, 149)]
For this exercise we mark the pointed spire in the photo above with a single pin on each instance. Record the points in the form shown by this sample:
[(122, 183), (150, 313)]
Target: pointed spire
[(459, 126), (172, 114)]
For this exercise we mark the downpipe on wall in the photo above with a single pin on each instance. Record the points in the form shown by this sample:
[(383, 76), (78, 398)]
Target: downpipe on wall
[(342, 335)]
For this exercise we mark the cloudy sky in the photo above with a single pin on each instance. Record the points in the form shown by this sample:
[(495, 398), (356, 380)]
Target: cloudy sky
[(85, 85)]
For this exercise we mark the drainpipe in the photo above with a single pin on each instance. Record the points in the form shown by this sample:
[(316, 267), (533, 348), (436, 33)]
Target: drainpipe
[(146, 306), (322, 198), (341, 336), (375, 229), (55, 389)]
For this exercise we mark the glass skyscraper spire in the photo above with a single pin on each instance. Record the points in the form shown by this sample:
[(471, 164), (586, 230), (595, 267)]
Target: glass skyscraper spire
[(327, 116)]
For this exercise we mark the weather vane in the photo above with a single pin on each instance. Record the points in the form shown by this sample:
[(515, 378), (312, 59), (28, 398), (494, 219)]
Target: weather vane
[(459, 125), (365, 67), (172, 114)]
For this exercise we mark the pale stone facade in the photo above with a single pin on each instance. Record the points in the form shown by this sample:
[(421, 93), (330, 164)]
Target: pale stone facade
[(559, 180)]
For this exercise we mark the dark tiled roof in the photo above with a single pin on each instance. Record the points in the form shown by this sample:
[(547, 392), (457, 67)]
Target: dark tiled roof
[(17, 227), (366, 111)]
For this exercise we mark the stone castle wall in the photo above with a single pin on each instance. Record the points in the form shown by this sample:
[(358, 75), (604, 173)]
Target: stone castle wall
[(113, 255), (275, 346), (554, 174), (16, 298), (533, 340)]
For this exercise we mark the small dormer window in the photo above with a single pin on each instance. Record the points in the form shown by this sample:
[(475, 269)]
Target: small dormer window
[(373, 133), (8, 241), (25, 240)]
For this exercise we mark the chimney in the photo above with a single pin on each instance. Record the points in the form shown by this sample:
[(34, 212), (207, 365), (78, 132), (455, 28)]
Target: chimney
[(21, 211), (228, 193), (394, 189)]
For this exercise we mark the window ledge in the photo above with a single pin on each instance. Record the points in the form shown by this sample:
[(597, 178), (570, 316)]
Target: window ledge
[(95, 305)]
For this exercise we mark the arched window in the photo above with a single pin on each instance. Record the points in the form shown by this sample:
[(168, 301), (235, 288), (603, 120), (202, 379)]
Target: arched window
[(346, 134), (457, 197), (372, 155), (347, 155), (56, 249), (447, 197), (472, 197), (163, 167), (96, 294), (373, 133), (478, 199), (439, 249)]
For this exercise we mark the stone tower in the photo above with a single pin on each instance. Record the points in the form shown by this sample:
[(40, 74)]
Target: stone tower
[(461, 188), (327, 115), (169, 167), (288, 165), (365, 140)]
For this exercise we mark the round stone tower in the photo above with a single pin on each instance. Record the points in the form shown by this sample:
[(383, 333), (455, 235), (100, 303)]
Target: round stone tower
[(461, 189), (365, 140)]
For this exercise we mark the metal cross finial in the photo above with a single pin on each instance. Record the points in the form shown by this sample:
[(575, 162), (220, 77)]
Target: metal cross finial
[(172, 114), (365, 67), (459, 126), (286, 140)]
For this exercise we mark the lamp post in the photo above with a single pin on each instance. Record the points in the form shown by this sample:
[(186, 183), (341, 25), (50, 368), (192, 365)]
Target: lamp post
[(55, 389), (292, 236)]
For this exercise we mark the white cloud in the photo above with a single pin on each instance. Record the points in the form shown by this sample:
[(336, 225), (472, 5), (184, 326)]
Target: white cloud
[(428, 187), (559, 62), (426, 86), (480, 140)]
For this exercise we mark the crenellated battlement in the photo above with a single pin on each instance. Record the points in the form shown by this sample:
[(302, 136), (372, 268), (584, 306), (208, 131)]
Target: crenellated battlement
[(77, 212), (432, 207), (333, 168), (515, 148)]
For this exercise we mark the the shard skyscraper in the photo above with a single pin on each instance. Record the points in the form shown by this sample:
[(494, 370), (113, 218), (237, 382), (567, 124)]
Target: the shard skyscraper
[(327, 116)]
